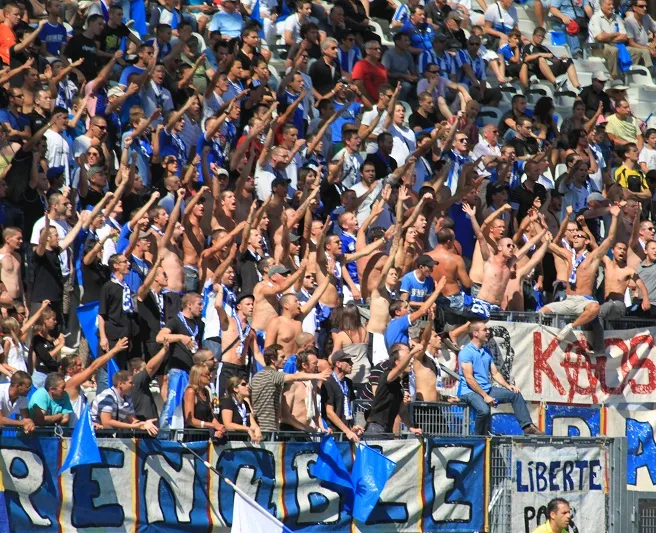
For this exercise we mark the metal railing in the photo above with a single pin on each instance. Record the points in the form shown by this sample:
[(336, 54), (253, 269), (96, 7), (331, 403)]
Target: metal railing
[(647, 516), (441, 418)]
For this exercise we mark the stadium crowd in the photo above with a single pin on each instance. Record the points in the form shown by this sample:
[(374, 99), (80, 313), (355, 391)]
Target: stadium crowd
[(280, 244)]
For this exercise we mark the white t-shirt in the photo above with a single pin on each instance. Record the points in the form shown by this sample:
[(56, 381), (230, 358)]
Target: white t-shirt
[(59, 153), (501, 20), (365, 207), (80, 145), (351, 168), (404, 144), (648, 155), (8, 407), (367, 119)]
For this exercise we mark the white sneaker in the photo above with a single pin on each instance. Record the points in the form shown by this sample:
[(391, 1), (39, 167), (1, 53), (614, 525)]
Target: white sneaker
[(565, 332), (68, 351)]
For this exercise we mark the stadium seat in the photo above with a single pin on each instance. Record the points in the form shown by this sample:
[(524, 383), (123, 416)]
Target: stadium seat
[(489, 115), (639, 75), (537, 91), (386, 39)]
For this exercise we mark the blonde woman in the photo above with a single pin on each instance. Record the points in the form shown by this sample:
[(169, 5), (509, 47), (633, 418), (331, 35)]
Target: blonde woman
[(236, 411), (197, 404)]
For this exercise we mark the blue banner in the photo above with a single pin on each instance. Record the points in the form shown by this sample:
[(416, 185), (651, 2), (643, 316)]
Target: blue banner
[(572, 420)]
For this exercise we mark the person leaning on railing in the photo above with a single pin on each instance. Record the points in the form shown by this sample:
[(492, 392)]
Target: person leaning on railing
[(236, 411), (13, 401), (197, 405)]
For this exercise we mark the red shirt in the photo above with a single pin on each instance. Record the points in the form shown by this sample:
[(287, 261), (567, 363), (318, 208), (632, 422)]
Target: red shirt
[(373, 76)]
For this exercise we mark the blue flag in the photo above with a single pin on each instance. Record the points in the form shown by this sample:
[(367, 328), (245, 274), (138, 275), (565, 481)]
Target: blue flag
[(83, 448), (284, 12), (4, 515), (138, 14), (329, 466), (255, 14), (177, 385), (370, 473), (87, 316)]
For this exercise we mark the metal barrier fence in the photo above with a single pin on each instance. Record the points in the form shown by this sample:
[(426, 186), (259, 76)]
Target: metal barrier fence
[(441, 418), (618, 505), (647, 516)]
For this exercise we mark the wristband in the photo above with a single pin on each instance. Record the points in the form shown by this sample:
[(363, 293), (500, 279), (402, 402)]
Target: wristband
[(202, 424)]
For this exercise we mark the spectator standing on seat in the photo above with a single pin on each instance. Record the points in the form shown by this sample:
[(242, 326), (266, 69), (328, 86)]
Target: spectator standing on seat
[(391, 399), (113, 407), (476, 366)]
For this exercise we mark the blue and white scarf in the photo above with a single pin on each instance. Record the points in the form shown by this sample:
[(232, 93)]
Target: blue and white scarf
[(576, 263), (128, 304)]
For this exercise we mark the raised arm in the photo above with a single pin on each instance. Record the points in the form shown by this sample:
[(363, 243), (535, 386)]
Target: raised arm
[(485, 249), (143, 289), (416, 315), (612, 232), (81, 377)]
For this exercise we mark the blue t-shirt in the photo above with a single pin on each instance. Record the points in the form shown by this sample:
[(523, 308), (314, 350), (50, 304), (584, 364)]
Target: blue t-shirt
[(481, 361), (298, 117), (507, 52), (16, 122), (127, 72), (397, 330), (230, 25), (347, 116), (348, 247), (123, 238), (54, 37), (463, 230), (139, 269), (172, 144), (417, 290)]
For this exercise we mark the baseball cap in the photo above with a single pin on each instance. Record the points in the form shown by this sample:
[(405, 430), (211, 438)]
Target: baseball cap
[(94, 170), (340, 355), (596, 197), (601, 120), (294, 238), (454, 15), (222, 172), (143, 235), (600, 76), (280, 181), (243, 296), (278, 269), (426, 260), (440, 37), (617, 85), (53, 172)]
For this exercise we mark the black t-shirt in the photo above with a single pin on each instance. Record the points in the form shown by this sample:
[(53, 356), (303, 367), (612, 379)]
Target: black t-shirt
[(44, 361), (95, 275), (331, 394), (228, 404), (523, 148), (503, 127), (179, 355), (149, 318), (37, 121), (118, 323), (110, 38), (387, 402), (80, 46), (384, 166), (142, 399), (247, 272), (33, 205), (418, 120), (525, 198), (531, 49), (48, 283), (323, 76), (92, 198), (436, 14), (591, 100), (331, 195)]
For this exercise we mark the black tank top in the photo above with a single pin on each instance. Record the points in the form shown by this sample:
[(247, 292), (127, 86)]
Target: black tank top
[(203, 409)]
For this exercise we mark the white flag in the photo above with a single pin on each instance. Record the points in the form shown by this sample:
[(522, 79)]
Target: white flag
[(250, 517)]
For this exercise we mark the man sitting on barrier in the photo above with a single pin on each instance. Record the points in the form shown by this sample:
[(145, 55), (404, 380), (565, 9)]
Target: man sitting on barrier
[(559, 514), (584, 266), (13, 401), (476, 366)]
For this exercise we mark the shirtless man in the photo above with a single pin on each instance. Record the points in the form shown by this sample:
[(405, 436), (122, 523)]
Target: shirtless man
[(237, 339), (642, 233), (379, 305), (582, 281), (616, 280), (513, 298), (498, 267), (283, 329), (193, 239), (452, 267), (10, 263), (299, 410), (276, 280), (563, 240), (331, 248), (166, 232), (496, 231), (224, 212)]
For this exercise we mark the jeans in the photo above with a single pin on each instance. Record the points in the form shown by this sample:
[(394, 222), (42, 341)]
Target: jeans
[(163, 416), (191, 279), (102, 379), (482, 425), (573, 41)]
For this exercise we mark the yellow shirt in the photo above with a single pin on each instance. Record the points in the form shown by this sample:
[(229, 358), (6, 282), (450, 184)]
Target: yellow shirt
[(627, 130), (546, 528), (622, 175)]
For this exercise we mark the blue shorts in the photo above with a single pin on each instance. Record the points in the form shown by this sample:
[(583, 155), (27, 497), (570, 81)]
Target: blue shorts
[(483, 308)]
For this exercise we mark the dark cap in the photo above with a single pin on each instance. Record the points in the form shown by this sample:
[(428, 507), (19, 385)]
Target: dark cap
[(454, 15), (280, 181), (278, 269), (53, 172), (426, 260), (340, 355), (94, 170), (243, 296), (294, 238), (440, 37)]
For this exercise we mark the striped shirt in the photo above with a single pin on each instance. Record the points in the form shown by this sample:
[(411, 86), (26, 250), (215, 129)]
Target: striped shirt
[(266, 388), (402, 14), (445, 63), (110, 401), (477, 65), (348, 58)]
